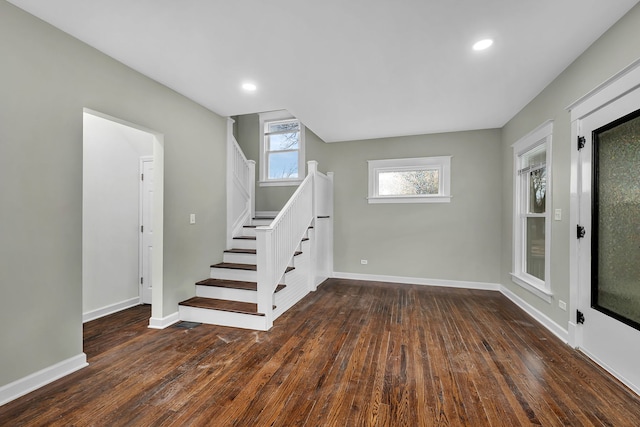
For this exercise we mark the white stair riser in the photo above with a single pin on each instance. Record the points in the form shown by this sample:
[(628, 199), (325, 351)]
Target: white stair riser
[(233, 274), (244, 244), (261, 222), (248, 231), (222, 318), (216, 292), (236, 258)]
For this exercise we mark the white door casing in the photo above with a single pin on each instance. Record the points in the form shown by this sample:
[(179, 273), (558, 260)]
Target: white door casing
[(609, 342), (146, 228)]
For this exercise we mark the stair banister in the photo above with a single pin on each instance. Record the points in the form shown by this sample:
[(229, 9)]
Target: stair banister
[(277, 242)]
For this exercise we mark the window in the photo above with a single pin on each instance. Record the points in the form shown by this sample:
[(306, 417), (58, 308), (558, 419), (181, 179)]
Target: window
[(417, 180), (532, 226), (282, 149)]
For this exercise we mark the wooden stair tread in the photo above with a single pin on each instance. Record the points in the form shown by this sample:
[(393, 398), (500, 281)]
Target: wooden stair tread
[(251, 251), (234, 284), (245, 237), (241, 251), (246, 267), (223, 305), (264, 217)]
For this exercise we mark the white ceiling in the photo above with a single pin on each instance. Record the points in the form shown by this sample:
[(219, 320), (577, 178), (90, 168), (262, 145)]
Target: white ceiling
[(349, 69)]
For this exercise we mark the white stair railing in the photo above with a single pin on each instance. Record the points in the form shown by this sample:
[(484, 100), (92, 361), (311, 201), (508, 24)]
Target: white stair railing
[(277, 242), (241, 178)]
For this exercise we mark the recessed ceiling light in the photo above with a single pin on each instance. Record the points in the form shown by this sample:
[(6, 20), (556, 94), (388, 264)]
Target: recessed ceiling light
[(482, 44), (249, 87)]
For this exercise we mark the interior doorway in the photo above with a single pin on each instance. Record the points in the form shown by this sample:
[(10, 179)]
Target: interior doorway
[(117, 251)]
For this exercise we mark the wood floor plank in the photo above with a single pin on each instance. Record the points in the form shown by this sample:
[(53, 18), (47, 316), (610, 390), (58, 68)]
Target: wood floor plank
[(352, 353)]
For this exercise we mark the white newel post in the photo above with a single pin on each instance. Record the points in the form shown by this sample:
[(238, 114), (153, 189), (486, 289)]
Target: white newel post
[(265, 255), (330, 230), (312, 167), (252, 188)]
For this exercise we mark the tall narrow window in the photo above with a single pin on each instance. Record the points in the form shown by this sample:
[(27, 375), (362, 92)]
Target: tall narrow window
[(282, 149), (532, 226)]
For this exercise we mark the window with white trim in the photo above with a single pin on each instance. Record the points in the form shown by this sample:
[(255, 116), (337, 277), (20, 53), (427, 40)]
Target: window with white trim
[(281, 149), (532, 225), (414, 180)]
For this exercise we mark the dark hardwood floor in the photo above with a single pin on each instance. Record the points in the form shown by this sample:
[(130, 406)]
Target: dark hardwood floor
[(351, 354)]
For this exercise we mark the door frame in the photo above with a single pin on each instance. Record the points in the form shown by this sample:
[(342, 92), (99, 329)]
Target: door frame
[(622, 83), (141, 266), (157, 320)]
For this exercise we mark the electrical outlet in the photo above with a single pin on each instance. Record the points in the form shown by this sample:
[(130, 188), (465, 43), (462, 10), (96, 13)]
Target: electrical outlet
[(562, 305), (364, 262), (192, 219)]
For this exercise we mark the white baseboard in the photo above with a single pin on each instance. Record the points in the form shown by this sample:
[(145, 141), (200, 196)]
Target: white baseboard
[(164, 322), (41, 378), (613, 372), (542, 318), (418, 281), (110, 309)]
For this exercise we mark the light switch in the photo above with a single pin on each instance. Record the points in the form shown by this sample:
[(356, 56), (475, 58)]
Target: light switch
[(558, 215), (192, 219)]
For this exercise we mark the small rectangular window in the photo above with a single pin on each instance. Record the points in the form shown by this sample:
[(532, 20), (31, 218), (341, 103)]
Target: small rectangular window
[(414, 180)]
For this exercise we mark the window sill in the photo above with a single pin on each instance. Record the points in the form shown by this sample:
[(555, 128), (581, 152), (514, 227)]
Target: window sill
[(280, 182), (543, 294), (401, 199)]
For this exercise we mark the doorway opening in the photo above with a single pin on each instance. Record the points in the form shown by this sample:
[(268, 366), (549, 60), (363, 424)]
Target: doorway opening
[(122, 216)]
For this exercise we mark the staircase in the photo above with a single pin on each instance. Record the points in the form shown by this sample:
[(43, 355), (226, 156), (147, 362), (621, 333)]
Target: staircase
[(270, 263), (229, 297)]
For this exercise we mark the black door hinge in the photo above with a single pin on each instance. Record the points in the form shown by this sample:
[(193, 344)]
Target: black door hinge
[(579, 317), (142, 228), (580, 231), (142, 280), (581, 142)]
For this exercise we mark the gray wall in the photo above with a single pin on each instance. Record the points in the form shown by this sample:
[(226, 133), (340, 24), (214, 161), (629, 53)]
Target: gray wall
[(452, 241), (616, 49), (46, 79)]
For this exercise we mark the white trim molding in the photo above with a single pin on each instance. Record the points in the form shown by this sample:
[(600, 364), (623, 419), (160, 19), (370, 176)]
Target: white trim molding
[(164, 322), (542, 318), (41, 378), (109, 309), (418, 281)]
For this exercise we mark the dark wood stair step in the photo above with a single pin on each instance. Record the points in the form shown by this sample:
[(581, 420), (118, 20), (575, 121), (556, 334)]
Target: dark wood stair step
[(234, 284), (223, 305), (246, 267), (241, 251), (245, 238), (250, 251)]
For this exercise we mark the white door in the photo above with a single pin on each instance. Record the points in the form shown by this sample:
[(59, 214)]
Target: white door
[(609, 252), (146, 228)]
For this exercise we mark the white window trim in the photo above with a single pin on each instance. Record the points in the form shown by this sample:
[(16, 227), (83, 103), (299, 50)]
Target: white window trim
[(441, 163), (541, 135), (263, 172)]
